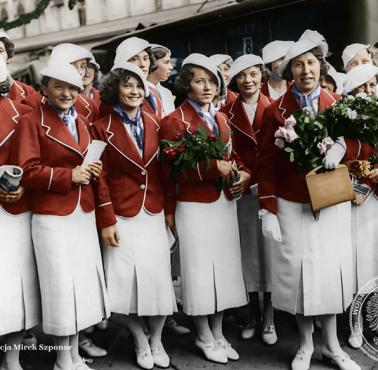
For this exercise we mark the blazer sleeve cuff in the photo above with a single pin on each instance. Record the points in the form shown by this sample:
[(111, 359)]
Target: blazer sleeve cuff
[(269, 203), (105, 215)]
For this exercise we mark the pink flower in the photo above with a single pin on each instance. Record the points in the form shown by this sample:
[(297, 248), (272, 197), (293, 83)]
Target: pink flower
[(290, 122), (288, 134), (280, 143), (326, 144)]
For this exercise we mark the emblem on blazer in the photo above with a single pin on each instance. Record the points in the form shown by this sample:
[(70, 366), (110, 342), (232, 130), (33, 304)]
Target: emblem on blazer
[(363, 317)]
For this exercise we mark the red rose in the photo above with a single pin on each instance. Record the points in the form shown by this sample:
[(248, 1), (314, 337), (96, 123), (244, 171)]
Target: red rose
[(213, 137), (170, 152), (181, 148)]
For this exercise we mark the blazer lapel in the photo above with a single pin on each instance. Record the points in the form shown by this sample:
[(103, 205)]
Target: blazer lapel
[(239, 119), (261, 105), (9, 120), (287, 104), (121, 141), (191, 118), (326, 100), (57, 130), (151, 139), (83, 133)]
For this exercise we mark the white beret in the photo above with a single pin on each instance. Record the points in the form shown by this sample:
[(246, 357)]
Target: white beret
[(351, 50), (243, 62), (359, 75), (316, 38), (130, 47), (275, 50), (203, 61), (93, 61), (3, 70), (338, 77), (153, 46), (63, 71), (4, 35), (136, 70), (218, 59), (300, 47), (69, 53)]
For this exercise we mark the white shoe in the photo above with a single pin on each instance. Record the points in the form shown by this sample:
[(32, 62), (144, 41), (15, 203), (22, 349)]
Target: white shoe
[(228, 350), (82, 365), (248, 332), (144, 358), (355, 340), (103, 325), (212, 352), (91, 349), (161, 359), (173, 327), (269, 335), (302, 360), (340, 359)]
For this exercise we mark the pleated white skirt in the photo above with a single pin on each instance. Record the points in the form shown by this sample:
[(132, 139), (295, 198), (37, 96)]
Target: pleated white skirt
[(210, 257), (20, 298), (70, 272), (138, 271)]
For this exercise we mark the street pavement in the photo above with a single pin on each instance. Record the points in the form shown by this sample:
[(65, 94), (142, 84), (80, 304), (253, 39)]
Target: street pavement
[(184, 356)]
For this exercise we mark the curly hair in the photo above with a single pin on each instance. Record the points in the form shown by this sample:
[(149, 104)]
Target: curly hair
[(110, 85), (158, 53), (183, 79), (9, 46), (288, 75), (264, 76)]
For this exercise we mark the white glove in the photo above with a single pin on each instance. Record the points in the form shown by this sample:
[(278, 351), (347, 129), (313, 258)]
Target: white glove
[(271, 227), (335, 154)]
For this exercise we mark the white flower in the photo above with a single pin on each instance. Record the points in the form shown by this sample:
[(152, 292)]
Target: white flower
[(362, 95), (352, 114), (350, 97)]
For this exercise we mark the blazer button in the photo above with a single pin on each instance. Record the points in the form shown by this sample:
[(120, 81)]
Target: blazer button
[(143, 186), (143, 173)]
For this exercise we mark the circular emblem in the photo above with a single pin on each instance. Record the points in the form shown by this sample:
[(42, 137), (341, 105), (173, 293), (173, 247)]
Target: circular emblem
[(363, 317)]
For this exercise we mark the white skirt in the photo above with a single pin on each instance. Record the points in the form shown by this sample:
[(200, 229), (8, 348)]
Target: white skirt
[(312, 267), (210, 257), (365, 240), (255, 250), (70, 272), (20, 299), (138, 271)]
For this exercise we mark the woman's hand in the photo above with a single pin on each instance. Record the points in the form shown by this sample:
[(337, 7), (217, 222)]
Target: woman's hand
[(12, 196), (374, 176), (110, 236), (81, 175), (169, 221), (239, 186), (95, 168), (225, 170)]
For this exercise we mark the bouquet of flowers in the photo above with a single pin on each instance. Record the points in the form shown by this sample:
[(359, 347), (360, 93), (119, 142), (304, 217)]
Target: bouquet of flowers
[(189, 149), (354, 118), (304, 138)]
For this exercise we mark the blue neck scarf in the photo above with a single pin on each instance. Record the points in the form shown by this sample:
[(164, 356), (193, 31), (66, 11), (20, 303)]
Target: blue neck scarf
[(209, 116), (307, 101), (68, 118), (135, 124)]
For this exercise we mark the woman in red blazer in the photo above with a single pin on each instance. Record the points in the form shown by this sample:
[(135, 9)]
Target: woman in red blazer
[(50, 144), (308, 254), (20, 300), (245, 118), (205, 218), (130, 213)]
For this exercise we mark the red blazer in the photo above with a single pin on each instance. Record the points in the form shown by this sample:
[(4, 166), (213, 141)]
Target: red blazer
[(146, 107), (46, 150), (277, 176), (231, 96), (245, 135), (199, 184), (265, 88), (10, 112), (356, 149), (128, 182), (84, 105), (19, 91)]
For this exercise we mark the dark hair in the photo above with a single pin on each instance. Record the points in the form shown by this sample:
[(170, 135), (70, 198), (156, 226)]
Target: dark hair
[(158, 52), (45, 80), (288, 76), (265, 75), (9, 46), (183, 79), (110, 85)]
